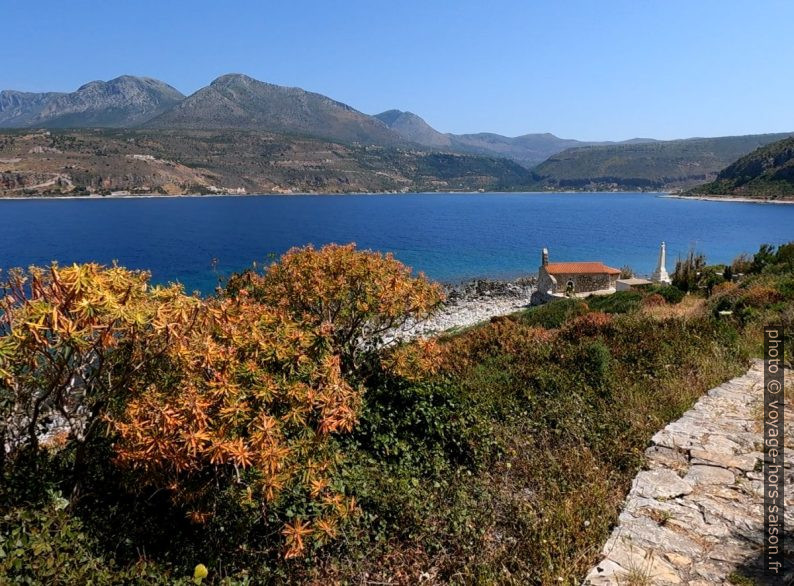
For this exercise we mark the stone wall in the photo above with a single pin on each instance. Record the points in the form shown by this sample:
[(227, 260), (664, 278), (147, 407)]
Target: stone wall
[(582, 282), (695, 516), (546, 282)]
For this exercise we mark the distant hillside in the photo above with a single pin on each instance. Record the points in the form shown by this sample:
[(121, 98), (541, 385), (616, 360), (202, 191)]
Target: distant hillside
[(80, 162), (243, 103), (528, 149), (414, 129), (122, 102), (18, 109), (767, 172), (661, 165)]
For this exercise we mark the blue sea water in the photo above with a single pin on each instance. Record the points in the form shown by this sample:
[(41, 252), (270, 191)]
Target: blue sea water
[(451, 237)]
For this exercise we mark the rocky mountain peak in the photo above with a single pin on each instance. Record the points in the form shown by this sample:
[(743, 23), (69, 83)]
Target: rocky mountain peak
[(413, 128), (121, 102)]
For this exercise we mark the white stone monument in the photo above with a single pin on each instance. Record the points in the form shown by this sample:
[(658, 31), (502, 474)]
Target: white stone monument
[(660, 274)]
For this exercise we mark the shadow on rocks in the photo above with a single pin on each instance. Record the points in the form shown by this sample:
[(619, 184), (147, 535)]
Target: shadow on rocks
[(753, 571)]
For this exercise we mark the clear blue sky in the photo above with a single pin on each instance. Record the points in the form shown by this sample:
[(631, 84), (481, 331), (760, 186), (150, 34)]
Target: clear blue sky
[(586, 69)]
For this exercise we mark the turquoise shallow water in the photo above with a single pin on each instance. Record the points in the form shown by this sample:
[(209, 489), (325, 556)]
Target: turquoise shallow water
[(451, 237)]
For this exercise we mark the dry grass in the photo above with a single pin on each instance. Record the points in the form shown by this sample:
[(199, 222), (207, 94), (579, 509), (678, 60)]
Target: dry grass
[(689, 307)]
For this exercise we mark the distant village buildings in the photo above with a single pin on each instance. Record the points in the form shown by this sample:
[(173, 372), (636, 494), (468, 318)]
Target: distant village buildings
[(580, 279)]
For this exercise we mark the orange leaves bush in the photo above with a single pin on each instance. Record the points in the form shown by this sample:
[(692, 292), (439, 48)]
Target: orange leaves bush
[(237, 397), (653, 300), (761, 296), (414, 361), (251, 404), (724, 288), (503, 336), (589, 324), (354, 297), (72, 339), (744, 299), (259, 387)]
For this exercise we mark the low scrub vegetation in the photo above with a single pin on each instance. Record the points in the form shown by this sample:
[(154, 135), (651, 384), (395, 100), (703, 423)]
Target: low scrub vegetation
[(267, 435)]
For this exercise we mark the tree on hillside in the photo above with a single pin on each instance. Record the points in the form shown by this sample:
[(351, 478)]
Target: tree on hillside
[(741, 264), (688, 271), (626, 272), (765, 256)]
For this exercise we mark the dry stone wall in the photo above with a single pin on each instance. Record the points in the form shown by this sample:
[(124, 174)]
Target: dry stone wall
[(695, 516)]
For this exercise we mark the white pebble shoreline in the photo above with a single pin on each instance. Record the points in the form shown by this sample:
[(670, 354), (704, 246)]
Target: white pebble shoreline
[(462, 314)]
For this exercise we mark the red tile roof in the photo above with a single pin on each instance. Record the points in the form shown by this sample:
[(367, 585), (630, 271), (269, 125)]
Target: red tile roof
[(580, 268)]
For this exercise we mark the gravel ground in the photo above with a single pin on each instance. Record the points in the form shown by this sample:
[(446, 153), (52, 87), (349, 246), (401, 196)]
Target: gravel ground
[(471, 303)]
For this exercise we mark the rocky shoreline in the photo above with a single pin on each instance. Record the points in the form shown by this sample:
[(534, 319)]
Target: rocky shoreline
[(470, 303), (729, 198)]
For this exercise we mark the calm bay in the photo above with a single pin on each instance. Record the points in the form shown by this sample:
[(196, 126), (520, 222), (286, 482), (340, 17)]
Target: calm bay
[(451, 237)]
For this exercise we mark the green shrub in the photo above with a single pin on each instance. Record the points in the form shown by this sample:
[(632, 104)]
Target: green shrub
[(773, 260), (414, 445), (430, 421), (710, 277), (595, 360), (554, 314), (786, 288), (620, 302), (44, 544), (765, 256), (671, 294)]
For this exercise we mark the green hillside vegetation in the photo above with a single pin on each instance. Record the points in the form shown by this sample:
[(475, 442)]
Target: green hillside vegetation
[(663, 165), (497, 455), (82, 162), (766, 173)]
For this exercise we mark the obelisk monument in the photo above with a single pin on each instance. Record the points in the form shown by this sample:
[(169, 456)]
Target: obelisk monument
[(660, 274)]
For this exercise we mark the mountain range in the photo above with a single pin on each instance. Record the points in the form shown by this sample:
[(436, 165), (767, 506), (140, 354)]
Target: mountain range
[(273, 122), (240, 102), (527, 149), (126, 101), (236, 101)]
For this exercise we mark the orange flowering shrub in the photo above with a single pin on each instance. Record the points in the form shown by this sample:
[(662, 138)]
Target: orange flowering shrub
[(746, 299), (252, 404), (415, 360), (504, 336), (225, 400), (589, 324), (723, 288), (761, 296), (71, 339), (353, 297)]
